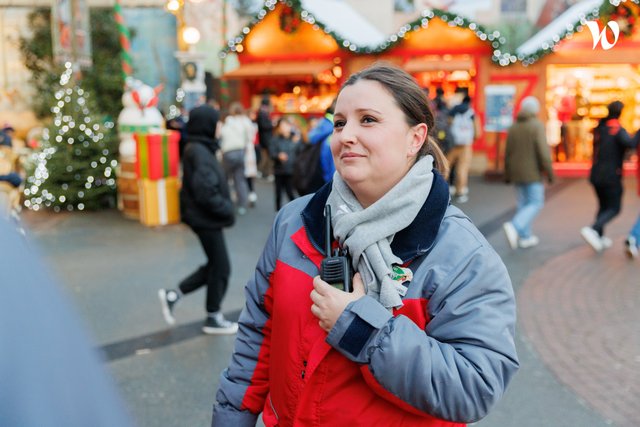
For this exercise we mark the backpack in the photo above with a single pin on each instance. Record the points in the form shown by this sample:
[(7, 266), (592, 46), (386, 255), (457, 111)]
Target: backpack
[(441, 131), (307, 171), (462, 128)]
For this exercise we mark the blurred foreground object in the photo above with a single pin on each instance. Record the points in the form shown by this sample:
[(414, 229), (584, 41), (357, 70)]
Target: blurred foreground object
[(51, 374)]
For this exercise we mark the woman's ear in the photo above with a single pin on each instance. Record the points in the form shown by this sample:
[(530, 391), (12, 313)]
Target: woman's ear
[(419, 138)]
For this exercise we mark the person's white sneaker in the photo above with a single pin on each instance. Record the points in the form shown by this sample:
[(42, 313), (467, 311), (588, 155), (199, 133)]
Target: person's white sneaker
[(592, 237), (631, 247), (463, 198), (606, 242), (217, 325), (528, 242), (511, 233), (253, 198), (168, 299)]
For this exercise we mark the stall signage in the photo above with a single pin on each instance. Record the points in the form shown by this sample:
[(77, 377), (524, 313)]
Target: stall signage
[(499, 107), (601, 36)]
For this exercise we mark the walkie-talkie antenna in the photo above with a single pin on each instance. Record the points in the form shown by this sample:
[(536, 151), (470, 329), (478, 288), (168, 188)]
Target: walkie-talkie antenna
[(327, 229), (335, 269)]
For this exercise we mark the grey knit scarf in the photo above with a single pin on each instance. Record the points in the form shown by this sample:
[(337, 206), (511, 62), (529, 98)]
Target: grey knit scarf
[(368, 233)]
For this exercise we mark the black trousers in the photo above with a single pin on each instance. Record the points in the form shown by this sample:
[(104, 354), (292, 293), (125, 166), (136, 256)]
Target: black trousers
[(283, 183), (215, 273), (610, 203)]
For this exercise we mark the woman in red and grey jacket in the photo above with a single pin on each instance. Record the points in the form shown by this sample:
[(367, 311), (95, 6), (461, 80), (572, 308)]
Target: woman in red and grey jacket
[(426, 336)]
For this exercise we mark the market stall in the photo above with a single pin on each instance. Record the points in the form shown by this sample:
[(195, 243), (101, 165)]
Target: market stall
[(297, 51), (566, 67), (446, 51)]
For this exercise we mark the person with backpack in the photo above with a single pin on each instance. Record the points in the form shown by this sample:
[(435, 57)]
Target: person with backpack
[(314, 164), (441, 131), (463, 132)]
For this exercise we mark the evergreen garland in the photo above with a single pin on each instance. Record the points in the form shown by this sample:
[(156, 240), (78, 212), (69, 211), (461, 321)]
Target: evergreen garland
[(623, 12), (492, 37), (496, 40)]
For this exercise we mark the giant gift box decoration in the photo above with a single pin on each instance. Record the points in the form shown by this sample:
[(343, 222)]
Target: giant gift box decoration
[(157, 154), (159, 201), (140, 114)]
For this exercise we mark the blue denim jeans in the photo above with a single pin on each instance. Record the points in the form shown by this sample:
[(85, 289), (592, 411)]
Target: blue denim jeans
[(635, 231), (530, 199)]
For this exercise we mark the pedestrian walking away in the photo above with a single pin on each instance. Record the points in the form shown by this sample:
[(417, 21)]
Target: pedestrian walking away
[(632, 242), (527, 161), (424, 337), (464, 129), (236, 134), (265, 132), (610, 144), (283, 150), (206, 207)]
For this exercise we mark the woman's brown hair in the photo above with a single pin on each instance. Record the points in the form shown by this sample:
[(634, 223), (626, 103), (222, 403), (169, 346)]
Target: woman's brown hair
[(411, 99)]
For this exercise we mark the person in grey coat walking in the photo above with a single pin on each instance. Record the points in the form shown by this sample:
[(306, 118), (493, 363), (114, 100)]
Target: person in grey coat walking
[(527, 161)]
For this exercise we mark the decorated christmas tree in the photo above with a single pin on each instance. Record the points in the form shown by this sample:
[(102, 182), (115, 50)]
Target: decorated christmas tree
[(75, 164)]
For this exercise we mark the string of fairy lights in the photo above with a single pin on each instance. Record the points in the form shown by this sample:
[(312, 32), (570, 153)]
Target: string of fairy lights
[(496, 40), (68, 135), (235, 45), (552, 45)]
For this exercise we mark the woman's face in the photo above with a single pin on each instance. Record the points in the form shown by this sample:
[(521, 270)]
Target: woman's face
[(373, 147)]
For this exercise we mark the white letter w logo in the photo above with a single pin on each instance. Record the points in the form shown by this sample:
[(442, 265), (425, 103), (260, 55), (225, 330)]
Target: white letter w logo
[(601, 37)]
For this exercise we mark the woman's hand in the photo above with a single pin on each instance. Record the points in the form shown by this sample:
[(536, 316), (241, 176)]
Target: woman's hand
[(329, 302)]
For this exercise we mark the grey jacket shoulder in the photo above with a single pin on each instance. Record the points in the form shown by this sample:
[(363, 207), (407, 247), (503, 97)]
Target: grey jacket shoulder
[(463, 359)]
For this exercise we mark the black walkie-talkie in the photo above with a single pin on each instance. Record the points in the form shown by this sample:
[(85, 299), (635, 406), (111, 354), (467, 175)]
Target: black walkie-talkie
[(335, 268)]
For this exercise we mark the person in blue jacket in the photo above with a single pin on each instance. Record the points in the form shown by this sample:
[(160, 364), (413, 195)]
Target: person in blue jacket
[(321, 133)]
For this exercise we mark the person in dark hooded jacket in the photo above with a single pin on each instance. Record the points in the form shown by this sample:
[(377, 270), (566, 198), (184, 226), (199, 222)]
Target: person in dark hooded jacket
[(206, 207), (610, 144)]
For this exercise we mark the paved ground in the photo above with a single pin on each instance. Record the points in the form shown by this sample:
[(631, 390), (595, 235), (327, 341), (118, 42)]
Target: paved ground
[(578, 339)]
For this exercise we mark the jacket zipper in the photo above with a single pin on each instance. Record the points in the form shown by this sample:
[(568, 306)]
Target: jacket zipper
[(273, 408)]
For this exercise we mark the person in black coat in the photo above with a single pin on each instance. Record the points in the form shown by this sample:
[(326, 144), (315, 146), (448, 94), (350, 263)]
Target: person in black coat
[(283, 149), (610, 144), (206, 207), (265, 133)]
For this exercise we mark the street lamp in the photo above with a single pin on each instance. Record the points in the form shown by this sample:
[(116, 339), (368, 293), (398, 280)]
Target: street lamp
[(173, 6), (191, 36)]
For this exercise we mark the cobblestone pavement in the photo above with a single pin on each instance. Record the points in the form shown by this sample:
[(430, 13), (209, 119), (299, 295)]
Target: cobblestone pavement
[(580, 312), (578, 338)]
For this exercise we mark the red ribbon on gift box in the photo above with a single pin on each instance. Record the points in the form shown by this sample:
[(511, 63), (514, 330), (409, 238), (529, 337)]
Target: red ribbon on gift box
[(157, 154)]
